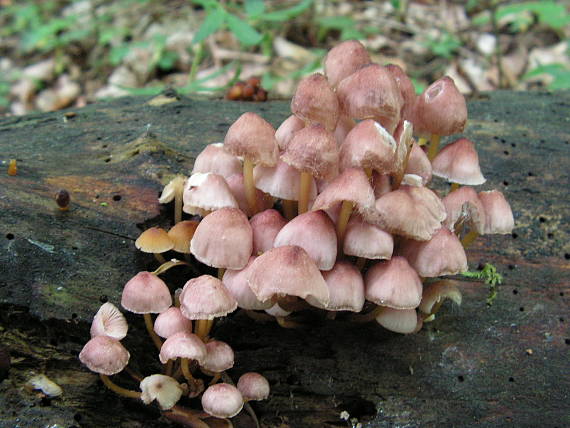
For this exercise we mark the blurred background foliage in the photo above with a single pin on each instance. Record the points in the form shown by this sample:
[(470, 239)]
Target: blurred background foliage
[(60, 53)]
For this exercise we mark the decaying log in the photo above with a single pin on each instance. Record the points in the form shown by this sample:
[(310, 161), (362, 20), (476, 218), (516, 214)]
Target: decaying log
[(500, 365)]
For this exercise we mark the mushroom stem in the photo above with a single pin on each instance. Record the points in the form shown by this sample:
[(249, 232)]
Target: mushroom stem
[(304, 190), (185, 367), (288, 209), (203, 328), (360, 262), (368, 172), (167, 265), (454, 187), (221, 272), (469, 238), (401, 172), (285, 323), (258, 316), (133, 374), (168, 367), (249, 184), (150, 328), (215, 379), (117, 389), (433, 146), (367, 317), (160, 258), (342, 222), (178, 205)]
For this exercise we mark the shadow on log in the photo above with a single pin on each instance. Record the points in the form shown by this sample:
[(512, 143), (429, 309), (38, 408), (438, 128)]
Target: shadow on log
[(503, 365)]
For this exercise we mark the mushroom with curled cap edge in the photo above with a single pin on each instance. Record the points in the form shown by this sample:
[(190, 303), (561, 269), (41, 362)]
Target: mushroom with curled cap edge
[(253, 138)]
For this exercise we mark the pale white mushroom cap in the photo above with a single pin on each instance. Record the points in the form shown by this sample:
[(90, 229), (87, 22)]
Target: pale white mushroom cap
[(109, 321), (182, 345), (253, 386), (222, 400), (164, 389), (105, 355)]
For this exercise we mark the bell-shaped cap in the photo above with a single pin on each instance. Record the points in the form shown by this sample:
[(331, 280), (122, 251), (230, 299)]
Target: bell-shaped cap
[(313, 149), (463, 205), (442, 255), (253, 386), (440, 109), (404, 321), (253, 137), (315, 233), (393, 283), (315, 102), (236, 283), (458, 162), (154, 240), (146, 293), (287, 271), (174, 186), (219, 357), (287, 129), (419, 164), (366, 240), (407, 90), (205, 298), (368, 145), (205, 192), (215, 159), (346, 288), (265, 227), (104, 355), (223, 239), (164, 389), (371, 92), (351, 185), (413, 212), (109, 321), (344, 59), (438, 291), (281, 181), (222, 400), (236, 184), (181, 234), (171, 322), (183, 345), (498, 214)]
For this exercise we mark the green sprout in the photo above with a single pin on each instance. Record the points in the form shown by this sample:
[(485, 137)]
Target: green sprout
[(491, 277)]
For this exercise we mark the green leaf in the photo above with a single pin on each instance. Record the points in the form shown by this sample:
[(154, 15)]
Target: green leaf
[(287, 14), (550, 13), (254, 8), (167, 60), (336, 22), (559, 73), (213, 22), (245, 33), (118, 53)]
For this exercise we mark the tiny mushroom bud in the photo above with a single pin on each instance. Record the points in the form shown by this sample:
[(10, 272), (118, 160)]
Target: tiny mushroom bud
[(253, 386), (62, 199), (222, 400)]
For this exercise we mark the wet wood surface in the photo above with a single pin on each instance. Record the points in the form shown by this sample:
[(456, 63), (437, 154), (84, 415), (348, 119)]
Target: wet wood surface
[(500, 365)]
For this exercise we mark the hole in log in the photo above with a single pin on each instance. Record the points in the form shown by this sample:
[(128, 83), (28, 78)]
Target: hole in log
[(460, 378), (550, 235), (506, 152), (521, 309), (505, 183), (511, 267), (103, 298), (515, 235), (567, 256), (530, 174), (511, 379), (542, 219), (10, 236), (567, 341), (358, 407), (515, 291), (117, 197)]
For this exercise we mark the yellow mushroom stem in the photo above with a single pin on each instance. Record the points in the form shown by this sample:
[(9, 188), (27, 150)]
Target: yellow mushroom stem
[(178, 204), (454, 187), (304, 191), (289, 209), (422, 141), (402, 171), (203, 328), (469, 238), (249, 184), (342, 222), (186, 417), (185, 367), (167, 265), (150, 328), (221, 272), (433, 146), (123, 392), (360, 263)]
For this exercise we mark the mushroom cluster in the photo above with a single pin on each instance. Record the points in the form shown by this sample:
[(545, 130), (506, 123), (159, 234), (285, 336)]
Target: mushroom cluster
[(330, 213)]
